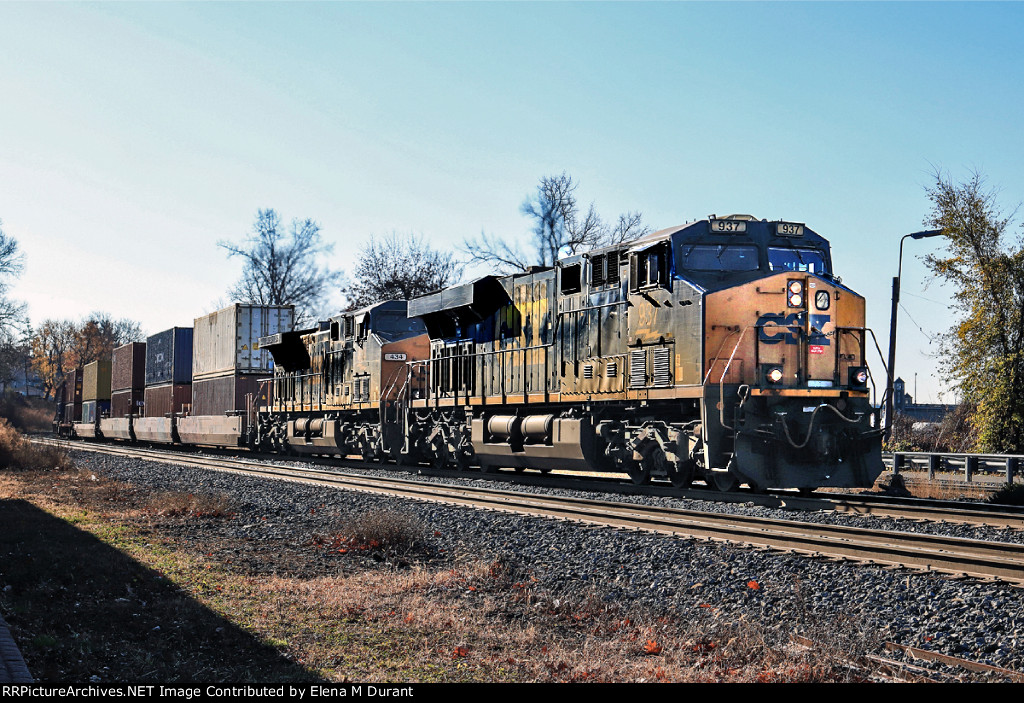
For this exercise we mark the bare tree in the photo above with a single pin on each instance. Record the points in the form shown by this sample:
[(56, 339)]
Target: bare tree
[(14, 325), (281, 266), (559, 229), (399, 268)]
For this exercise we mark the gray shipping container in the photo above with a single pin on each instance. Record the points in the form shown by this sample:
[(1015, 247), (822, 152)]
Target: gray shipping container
[(169, 357), (227, 341)]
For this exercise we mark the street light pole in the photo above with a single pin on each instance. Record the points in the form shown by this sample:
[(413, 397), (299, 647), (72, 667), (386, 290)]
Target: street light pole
[(891, 371)]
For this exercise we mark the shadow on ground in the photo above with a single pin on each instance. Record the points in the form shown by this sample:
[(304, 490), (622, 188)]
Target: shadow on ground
[(79, 608)]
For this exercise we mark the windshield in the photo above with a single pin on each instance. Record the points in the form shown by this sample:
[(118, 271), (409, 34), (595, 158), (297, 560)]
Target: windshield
[(395, 325), (787, 259), (719, 257)]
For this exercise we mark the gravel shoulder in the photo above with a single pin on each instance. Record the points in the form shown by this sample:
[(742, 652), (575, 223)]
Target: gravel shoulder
[(965, 618)]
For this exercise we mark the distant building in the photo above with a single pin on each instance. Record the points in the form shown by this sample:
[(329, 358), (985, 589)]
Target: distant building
[(904, 404)]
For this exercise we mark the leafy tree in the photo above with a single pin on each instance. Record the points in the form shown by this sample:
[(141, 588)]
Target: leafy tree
[(559, 229), (57, 346), (983, 352), (281, 265), (51, 346), (399, 268)]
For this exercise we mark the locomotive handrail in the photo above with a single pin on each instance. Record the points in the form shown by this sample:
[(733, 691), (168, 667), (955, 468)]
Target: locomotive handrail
[(721, 381)]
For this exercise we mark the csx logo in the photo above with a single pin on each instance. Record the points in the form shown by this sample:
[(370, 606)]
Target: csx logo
[(786, 328)]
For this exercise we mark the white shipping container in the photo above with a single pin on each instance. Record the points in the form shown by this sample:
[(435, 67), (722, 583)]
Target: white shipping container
[(227, 341)]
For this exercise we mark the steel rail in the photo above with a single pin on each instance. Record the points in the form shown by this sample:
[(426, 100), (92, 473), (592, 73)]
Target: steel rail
[(912, 509), (990, 560)]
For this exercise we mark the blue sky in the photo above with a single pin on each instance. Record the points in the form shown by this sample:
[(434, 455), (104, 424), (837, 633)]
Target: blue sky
[(133, 137)]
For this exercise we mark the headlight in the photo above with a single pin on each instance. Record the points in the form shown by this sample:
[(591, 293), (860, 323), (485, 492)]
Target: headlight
[(858, 376), (772, 374), (795, 293)]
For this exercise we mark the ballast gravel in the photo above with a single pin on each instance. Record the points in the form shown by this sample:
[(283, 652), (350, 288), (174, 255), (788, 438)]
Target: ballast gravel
[(689, 578)]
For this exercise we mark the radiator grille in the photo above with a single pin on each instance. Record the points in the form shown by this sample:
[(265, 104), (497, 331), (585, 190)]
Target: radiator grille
[(588, 371), (612, 370), (638, 368), (662, 366)]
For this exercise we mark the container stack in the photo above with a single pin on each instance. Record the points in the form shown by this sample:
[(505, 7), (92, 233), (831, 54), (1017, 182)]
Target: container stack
[(227, 363), (128, 379), (168, 372), (95, 390), (73, 396)]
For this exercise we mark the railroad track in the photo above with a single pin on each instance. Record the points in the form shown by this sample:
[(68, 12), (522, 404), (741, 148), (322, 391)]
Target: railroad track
[(961, 557)]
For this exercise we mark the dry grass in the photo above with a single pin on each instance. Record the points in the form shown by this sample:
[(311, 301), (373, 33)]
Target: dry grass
[(180, 504), (389, 531), (219, 616), (19, 454), (27, 414)]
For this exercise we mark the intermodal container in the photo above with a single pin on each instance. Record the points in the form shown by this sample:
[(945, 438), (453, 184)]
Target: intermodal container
[(168, 398), (227, 394), (226, 342), (96, 381), (169, 357), (73, 386), (73, 412), (127, 402), (92, 410), (128, 367)]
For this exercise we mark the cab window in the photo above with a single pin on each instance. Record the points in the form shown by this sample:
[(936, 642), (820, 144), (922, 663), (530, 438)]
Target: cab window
[(796, 259), (649, 268), (719, 257)]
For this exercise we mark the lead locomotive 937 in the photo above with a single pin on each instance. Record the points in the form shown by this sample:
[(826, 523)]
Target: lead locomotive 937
[(723, 350)]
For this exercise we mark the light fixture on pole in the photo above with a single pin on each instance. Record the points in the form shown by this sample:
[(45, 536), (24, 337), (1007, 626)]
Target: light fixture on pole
[(891, 371)]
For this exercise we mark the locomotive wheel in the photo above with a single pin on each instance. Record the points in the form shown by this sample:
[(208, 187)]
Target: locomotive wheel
[(440, 458), (398, 456), (682, 473), (724, 481), (639, 472)]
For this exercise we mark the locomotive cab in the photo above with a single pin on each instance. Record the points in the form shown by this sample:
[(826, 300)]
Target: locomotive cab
[(336, 386)]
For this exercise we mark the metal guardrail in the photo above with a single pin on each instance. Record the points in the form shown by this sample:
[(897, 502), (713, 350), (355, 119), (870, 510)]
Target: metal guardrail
[(969, 464)]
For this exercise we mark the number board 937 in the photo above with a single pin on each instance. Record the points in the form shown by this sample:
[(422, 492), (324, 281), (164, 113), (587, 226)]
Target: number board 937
[(789, 229), (727, 226)]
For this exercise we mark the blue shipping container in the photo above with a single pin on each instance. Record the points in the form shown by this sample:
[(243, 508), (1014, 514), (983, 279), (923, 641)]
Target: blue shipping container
[(169, 357)]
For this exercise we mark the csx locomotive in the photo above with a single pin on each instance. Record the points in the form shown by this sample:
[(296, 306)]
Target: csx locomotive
[(724, 350)]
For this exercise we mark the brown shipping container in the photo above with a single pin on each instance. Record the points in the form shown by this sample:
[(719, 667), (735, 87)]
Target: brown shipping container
[(128, 367), (73, 386), (168, 398), (216, 396), (96, 381), (127, 402)]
